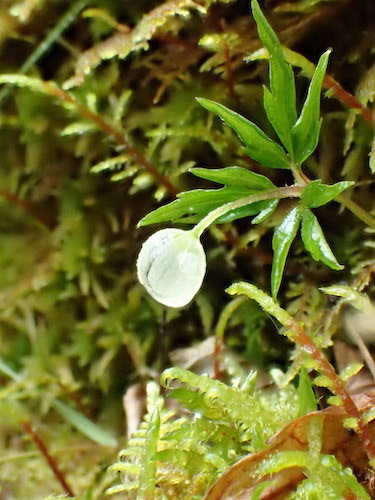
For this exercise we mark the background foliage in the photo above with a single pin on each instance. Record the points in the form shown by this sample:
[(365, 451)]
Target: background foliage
[(86, 157)]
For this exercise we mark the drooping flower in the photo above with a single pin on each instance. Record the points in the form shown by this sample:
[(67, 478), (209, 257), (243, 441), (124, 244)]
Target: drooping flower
[(171, 266)]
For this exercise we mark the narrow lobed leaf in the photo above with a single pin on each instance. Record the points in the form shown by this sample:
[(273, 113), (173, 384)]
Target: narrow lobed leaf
[(315, 243), (258, 145), (317, 194), (282, 239), (280, 102), (234, 176), (305, 132), (195, 204), (191, 206), (266, 212)]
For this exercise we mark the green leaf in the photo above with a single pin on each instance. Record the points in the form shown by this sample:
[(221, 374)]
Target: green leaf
[(147, 475), (360, 301), (278, 119), (282, 239), (258, 145), (315, 242), (234, 176), (192, 206), (84, 425), (267, 211), (317, 194), (306, 395), (241, 212), (280, 102), (305, 132)]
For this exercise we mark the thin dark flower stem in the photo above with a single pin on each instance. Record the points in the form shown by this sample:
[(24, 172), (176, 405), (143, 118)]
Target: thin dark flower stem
[(49, 459), (356, 210)]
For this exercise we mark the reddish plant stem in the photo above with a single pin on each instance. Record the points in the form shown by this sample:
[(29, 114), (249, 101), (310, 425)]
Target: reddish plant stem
[(300, 337), (26, 207), (347, 98), (50, 460), (116, 134)]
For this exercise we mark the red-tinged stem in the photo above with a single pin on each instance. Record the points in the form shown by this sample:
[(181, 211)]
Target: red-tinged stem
[(26, 207), (50, 460), (347, 98), (113, 132), (295, 332), (305, 342)]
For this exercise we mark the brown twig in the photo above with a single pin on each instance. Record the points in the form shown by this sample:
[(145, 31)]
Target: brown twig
[(111, 131), (26, 207), (50, 460)]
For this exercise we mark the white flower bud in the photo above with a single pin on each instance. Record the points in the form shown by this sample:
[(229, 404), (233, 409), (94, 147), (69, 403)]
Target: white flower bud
[(171, 266)]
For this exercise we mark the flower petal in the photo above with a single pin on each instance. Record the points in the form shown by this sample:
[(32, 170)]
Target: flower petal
[(171, 266)]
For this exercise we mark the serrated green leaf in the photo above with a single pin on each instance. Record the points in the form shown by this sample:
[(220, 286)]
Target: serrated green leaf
[(280, 102), (266, 212), (234, 176), (258, 145), (198, 202), (305, 132), (282, 239), (278, 119), (240, 213), (317, 194), (315, 243), (192, 206), (147, 475)]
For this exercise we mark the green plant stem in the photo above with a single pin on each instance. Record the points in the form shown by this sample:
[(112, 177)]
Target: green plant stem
[(220, 329), (351, 205), (297, 334), (356, 210), (279, 193)]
